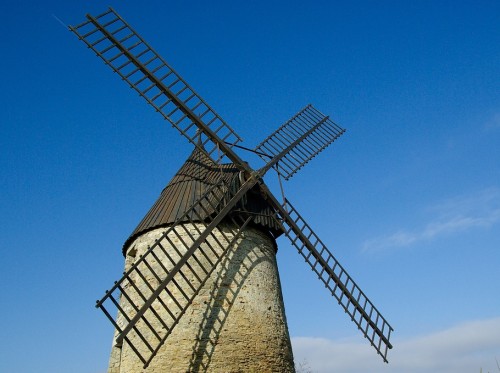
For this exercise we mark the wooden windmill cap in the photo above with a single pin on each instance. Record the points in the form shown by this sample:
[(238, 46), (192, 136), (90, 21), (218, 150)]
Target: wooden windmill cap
[(196, 175)]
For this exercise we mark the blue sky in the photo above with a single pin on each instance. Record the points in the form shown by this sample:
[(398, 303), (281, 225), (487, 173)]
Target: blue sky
[(408, 199)]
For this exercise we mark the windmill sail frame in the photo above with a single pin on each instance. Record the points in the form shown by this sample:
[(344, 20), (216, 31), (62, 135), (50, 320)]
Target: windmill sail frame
[(144, 70), (287, 150)]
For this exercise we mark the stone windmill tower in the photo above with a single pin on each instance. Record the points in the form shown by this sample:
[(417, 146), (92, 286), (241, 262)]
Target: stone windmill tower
[(238, 311), (200, 290)]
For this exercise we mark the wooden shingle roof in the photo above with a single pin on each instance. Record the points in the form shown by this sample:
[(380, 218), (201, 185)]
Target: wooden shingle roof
[(196, 175)]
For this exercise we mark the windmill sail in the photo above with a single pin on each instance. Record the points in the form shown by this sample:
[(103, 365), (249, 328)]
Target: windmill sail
[(147, 313), (335, 278), (315, 132), (158, 287), (135, 61)]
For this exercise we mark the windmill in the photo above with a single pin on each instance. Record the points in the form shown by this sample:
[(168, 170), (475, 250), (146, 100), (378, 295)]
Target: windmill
[(200, 288)]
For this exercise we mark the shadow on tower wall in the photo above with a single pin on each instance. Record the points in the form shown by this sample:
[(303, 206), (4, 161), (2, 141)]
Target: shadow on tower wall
[(236, 267)]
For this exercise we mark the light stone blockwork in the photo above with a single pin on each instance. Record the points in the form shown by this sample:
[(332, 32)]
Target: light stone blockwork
[(235, 324)]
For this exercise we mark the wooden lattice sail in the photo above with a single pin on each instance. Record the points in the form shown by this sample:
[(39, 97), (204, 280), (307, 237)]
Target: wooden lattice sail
[(212, 209)]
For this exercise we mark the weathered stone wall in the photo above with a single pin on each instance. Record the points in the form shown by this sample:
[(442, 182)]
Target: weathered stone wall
[(235, 324)]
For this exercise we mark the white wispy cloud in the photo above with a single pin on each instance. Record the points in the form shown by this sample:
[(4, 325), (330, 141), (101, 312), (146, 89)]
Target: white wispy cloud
[(462, 348), (459, 214)]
